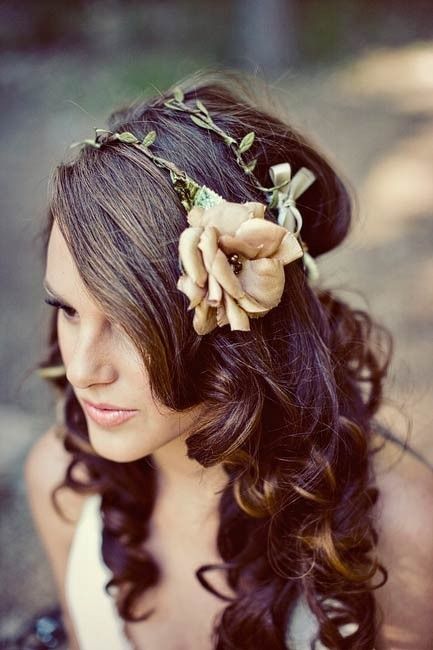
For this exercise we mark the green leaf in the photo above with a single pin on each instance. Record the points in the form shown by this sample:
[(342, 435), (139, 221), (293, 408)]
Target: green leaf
[(149, 139), (200, 122), (249, 168), (202, 107), (173, 106), (87, 141), (178, 94), (246, 142), (127, 137)]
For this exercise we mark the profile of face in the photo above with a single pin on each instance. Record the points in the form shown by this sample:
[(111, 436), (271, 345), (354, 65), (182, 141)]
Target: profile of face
[(105, 368)]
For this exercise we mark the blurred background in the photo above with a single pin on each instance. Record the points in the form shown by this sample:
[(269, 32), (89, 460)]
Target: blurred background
[(355, 75)]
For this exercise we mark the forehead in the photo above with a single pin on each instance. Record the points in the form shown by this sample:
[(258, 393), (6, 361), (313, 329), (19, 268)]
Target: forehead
[(63, 278), (59, 260), (61, 271)]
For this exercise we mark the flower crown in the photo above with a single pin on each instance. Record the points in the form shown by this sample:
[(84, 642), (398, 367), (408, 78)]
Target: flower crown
[(231, 258)]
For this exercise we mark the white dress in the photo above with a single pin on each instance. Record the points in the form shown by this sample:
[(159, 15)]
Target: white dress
[(94, 615)]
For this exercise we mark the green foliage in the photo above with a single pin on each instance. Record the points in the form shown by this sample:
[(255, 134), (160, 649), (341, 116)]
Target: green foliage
[(250, 167), (149, 139), (201, 117), (199, 122), (246, 142), (128, 138), (178, 94)]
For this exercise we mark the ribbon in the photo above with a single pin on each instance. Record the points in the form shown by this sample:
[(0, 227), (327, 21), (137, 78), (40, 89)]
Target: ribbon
[(289, 189)]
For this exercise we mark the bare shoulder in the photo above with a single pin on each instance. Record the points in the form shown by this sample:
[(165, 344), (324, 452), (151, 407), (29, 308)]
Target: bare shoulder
[(404, 522), (45, 467)]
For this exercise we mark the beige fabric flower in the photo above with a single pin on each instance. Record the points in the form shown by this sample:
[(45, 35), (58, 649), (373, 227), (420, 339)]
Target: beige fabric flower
[(232, 260)]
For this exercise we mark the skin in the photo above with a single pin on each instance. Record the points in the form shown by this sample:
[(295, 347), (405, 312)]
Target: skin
[(102, 365)]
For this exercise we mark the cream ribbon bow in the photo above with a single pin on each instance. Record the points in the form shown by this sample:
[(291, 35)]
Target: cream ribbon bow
[(289, 189)]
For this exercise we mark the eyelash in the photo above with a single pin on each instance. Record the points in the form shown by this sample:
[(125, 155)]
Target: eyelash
[(68, 311)]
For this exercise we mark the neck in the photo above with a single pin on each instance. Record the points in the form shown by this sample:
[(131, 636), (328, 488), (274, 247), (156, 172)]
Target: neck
[(186, 489)]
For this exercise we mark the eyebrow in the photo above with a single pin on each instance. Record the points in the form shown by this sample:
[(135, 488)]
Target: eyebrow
[(55, 295)]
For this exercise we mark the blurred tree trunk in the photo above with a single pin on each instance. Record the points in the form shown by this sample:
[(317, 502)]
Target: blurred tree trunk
[(266, 33)]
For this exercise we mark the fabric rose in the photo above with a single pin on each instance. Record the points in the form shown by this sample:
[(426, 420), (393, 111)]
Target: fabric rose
[(232, 264)]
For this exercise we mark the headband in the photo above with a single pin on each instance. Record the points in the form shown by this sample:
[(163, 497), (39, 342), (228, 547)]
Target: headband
[(231, 258)]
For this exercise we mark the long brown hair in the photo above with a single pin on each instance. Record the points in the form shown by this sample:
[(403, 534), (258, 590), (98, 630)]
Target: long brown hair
[(291, 404)]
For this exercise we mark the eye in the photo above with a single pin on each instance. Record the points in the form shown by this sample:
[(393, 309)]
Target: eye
[(68, 312)]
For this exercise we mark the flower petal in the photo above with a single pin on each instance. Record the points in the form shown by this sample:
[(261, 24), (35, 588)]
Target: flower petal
[(252, 307), (221, 316), (190, 255), (227, 217), (237, 318), (263, 235), (289, 250), (204, 320), (191, 290), (223, 273), (230, 244), (214, 292), (208, 245), (263, 280), (256, 209), (195, 216)]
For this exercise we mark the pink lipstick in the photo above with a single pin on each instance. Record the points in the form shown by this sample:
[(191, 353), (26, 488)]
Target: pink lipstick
[(107, 416)]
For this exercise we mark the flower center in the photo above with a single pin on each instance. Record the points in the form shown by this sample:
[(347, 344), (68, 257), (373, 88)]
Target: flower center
[(235, 262)]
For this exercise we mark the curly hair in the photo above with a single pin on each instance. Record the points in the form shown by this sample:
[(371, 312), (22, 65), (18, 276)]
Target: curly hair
[(290, 405)]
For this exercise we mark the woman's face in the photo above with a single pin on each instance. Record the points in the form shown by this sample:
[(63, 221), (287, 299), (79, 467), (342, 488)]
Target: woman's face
[(104, 367)]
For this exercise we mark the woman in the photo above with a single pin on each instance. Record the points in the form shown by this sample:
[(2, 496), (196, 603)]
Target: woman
[(222, 465)]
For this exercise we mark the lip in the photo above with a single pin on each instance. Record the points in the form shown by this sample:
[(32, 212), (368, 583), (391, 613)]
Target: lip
[(106, 415)]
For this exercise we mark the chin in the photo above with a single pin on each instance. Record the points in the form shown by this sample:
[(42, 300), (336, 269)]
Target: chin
[(117, 457), (115, 449)]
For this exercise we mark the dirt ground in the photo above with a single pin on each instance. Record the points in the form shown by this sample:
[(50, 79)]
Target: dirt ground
[(374, 118)]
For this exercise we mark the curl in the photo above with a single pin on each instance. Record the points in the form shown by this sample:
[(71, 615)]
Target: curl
[(289, 408)]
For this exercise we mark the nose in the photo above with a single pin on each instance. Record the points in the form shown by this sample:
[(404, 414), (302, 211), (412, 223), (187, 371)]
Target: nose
[(90, 364)]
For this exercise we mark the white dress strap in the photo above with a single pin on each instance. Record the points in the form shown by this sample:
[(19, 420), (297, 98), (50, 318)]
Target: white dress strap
[(93, 612)]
